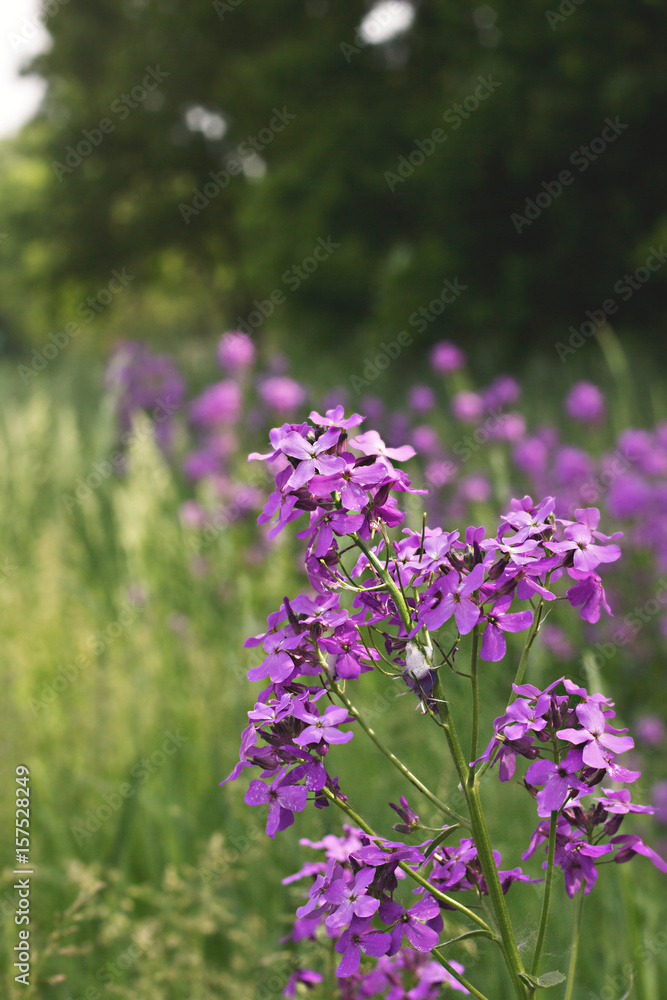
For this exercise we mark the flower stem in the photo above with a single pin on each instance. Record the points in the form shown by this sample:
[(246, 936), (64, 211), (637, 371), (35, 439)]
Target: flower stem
[(385, 576), (482, 842), (548, 882), (398, 764), (456, 975), (474, 738), (575, 945), (441, 896), (535, 628)]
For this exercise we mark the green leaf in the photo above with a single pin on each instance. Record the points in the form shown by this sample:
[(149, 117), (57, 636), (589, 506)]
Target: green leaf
[(438, 840), (543, 982)]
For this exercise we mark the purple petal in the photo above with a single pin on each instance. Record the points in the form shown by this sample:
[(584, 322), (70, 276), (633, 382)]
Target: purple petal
[(493, 646), (516, 622), (365, 906), (466, 615), (376, 943), (421, 936), (292, 797), (617, 744), (350, 961), (540, 771), (257, 793)]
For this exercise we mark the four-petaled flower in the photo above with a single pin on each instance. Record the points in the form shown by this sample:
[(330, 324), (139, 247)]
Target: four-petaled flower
[(596, 736), (283, 800), (455, 594)]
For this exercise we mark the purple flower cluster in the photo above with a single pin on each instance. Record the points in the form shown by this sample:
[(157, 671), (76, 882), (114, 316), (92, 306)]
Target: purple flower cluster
[(351, 902), (573, 747), (312, 643), (140, 380)]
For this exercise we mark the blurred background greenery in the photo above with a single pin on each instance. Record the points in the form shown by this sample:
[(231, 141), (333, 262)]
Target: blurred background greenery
[(359, 108), (319, 121)]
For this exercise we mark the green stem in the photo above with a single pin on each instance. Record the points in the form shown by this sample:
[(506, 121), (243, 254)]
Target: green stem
[(482, 842), (535, 628), (456, 975), (398, 764), (391, 586), (474, 738), (575, 945), (415, 876), (548, 882)]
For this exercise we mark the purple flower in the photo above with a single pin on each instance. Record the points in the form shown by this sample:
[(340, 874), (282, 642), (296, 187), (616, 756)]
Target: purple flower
[(322, 727), (283, 800), (558, 779), (278, 665), (577, 861), (336, 418), (631, 845), (321, 530), (359, 937), (523, 716), (370, 443), (421, 398), (312, 457), (500, 620), (595, 735), (305, 976), (467, 406), (218, 404), (235, 351), (580, 539), (447, 357), (350, 899), (351, 482), (651, 730), (282, 394), (414, 923), (619, 802), (410, 819), (348, 650), (585, 402), (456, 600), (589, 593)]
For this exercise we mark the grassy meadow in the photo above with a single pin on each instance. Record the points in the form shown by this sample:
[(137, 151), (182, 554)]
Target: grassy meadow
[(124, 692)]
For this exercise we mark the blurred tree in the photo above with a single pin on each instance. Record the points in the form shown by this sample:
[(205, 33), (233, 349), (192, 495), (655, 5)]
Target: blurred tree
[(433, 155)]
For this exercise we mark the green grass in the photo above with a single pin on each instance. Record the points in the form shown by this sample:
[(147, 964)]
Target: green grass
[(115, 634)]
